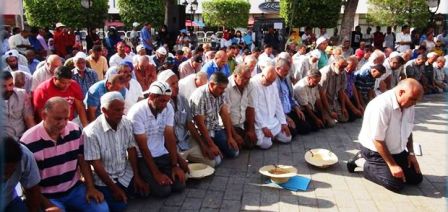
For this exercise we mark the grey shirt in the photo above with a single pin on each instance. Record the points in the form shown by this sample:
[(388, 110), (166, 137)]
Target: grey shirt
[(16, 108)]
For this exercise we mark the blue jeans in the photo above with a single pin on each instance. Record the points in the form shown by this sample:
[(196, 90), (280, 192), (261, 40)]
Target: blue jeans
[(115, 205), (220, 140), (16, 205), (75, 200)]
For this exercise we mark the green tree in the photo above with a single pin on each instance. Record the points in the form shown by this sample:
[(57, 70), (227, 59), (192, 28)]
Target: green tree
[(322, 13), (398, 12), (142, 11), (227, 13), (44, 13)]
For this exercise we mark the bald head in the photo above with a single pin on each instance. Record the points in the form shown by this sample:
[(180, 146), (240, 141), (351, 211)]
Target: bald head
[(221, 58), (56, 102), (269, 75), (200, 79), (408, 92)]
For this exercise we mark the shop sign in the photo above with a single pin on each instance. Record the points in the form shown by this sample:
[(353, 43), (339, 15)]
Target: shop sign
[(269, 6)]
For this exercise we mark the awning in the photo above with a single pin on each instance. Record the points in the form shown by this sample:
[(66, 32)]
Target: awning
[(114, 24), (251, 20), (199, 23), (190, 23)]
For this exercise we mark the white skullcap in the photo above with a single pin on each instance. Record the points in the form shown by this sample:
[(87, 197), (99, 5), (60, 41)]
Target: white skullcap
[(109, 97), (315, 53), (394, 54), (320, 40), (161, 50), (165, 75), (140, 47), (159, 87), (431, 54), (265, 61), (284, 55), (79, 55), (135, 24)]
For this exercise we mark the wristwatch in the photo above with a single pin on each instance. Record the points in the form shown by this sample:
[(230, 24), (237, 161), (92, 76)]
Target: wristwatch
[(412, 153)]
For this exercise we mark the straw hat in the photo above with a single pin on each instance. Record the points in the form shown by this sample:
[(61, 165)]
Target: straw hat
[(278, 173), (321, 158), (200, 170)]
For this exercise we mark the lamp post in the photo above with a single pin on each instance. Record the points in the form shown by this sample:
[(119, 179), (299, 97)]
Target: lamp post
[(433, 6), (87, 4)]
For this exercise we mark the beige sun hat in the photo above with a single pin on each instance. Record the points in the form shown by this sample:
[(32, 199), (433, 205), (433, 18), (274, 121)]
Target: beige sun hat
[(321, 158), (278, 173), (200, 170)]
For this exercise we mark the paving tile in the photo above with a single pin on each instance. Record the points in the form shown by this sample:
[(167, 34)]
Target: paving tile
[(212, 199), (230, 206), (192, 204)]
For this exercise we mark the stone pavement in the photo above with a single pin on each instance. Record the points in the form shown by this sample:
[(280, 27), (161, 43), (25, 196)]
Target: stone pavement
[(236, 185)]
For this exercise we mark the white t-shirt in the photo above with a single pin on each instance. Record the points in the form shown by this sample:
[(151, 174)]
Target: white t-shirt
[(187, 85), (134, 92), (115, 60), (384, 121), (403, 38), (16, 40), (144, 122)]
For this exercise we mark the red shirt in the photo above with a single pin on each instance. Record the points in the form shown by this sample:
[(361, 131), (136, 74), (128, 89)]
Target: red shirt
[(47, 89), (60, 39)]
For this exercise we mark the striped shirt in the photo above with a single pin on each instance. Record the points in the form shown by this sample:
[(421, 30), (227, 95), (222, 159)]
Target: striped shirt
[(203, 103), (364, 80), (57, 160), (101, 142)]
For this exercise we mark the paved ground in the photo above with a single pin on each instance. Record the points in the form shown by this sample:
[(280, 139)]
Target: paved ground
[(236, 183)]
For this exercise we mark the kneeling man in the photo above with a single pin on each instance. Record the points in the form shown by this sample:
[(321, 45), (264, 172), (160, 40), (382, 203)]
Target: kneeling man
[(270, 120), (386, 137)]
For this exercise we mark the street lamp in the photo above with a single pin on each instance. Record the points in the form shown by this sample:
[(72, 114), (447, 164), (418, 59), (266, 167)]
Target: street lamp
[(87, 4)]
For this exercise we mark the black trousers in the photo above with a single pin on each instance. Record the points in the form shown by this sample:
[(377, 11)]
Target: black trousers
[(163, 163), (310, 121), (302, 127), (377, 171)]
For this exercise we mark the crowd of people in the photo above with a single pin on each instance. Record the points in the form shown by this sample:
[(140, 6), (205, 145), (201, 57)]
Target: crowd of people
[(138, 118)]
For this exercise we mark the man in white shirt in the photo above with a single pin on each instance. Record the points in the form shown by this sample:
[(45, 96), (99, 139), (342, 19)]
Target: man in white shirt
[(190, 83), (20, 41), (239, 96), (306, 92), (134, 91), (46, 71), (270, 120), (267, 53), (304, 64), (12, 65), (152, 123), (404, 40), (386, 137), (120, 56)]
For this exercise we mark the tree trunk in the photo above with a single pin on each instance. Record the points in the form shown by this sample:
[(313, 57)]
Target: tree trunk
[(348, 18)]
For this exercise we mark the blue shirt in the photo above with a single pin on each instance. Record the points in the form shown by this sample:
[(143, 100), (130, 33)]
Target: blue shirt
[(364, 80), (32, 66), (94, 94), (284, 96), (211, 67), (35, 43), (247, 39), (145, 36), (90, 78), (27, 173)]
